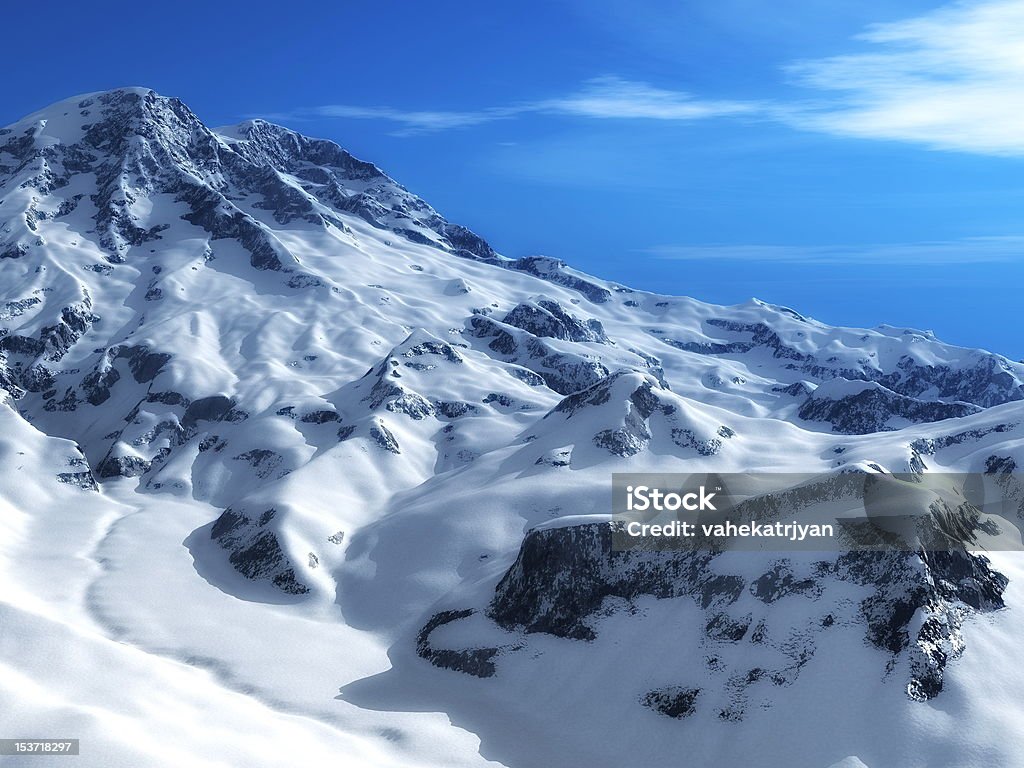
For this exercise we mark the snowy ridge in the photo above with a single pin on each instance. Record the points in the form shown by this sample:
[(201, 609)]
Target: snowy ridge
[(258, 396)]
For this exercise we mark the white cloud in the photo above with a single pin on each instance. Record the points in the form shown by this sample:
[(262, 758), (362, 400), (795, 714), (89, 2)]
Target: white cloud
[(613, 97), (971, 250), (603, 97), (951, 79), (409, 122)]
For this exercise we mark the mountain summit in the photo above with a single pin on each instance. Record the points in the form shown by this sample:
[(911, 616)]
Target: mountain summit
[(259, 397)]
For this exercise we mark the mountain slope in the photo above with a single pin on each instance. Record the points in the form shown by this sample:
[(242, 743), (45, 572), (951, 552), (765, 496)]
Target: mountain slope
[(302, 409)]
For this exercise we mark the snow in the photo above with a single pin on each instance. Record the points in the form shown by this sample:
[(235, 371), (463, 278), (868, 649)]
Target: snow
[(125, 624)]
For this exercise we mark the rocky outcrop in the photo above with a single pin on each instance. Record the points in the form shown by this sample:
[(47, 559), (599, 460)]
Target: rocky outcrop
[(478, 662), (556, 271), (122, 466), (547, 318), (255, 551), (264, 462), (383, 437), (860, 409), (928, 446), (635, 407), (915, 604), (563, 372), (27, 362), (673, 701)]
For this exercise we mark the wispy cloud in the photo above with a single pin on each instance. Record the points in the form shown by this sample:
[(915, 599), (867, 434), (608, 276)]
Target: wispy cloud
[(613, 97), (416, 121), (971, 250), (408, 122), (950, 79), (603, 97)]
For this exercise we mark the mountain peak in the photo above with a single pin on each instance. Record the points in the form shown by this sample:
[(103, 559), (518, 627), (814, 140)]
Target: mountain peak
[(140, 144), (102, 114)]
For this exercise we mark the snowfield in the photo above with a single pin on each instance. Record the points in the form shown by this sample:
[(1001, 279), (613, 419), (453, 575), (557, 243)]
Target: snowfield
[(297, 472)]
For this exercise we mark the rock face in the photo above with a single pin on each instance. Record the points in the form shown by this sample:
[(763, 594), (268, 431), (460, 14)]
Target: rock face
[(475, 661), (564, 372), (634, 409), (673, 701), (556, 271), (255, 550), (549, 318), (531, 596), (863, 409), (915, 603)]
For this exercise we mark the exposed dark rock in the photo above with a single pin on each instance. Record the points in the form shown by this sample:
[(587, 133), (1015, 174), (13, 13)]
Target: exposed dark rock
[(1000, 465), (454, 409), (779, 582), (29, 370), (83, 480), (440, 348), (322, 416), (22, 345), (166, 427), (556, 271), (122, 466), (468, 244), (557, 458), (503, 400), (627, 440), (236, 414), (97, 385), (645, 400), (687, 438), (796, 389), (397, 400), (144, 364), (548, 318), (212, 442), (721, 626), (562, 576), (562, 371), (929, 446), (18, 307), (874, 408), (943, 585), (167, 398), (526, 376), (212, 408), (384, 438), (475, 661), (597, 393), (673, 701), (255, 551), (264, 461)]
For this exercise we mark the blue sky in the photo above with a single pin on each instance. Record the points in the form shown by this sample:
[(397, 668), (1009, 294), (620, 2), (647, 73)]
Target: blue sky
[(859, 161)]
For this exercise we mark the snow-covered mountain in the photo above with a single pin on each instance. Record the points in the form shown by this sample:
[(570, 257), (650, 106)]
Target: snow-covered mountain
[(298, 472)]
